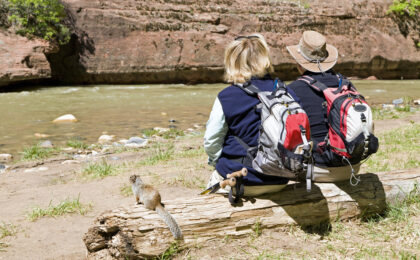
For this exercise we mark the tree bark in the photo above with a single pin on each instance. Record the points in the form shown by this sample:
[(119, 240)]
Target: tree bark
[(134, 232)]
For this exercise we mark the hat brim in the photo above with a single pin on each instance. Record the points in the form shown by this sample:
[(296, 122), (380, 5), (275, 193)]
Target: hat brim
[(327, 64)]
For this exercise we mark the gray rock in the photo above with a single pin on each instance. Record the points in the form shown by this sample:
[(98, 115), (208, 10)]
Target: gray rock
[(136, 140), (397, 101), (134, 145), (46, 144), (5, 157), (70, 162), (2, 167)]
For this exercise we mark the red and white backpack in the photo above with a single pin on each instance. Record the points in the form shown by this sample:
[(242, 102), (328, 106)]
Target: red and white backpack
[(350, 137)]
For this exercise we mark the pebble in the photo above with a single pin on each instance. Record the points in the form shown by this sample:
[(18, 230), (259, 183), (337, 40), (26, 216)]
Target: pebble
[(46, 144), (38, 135), (115, 158), (164, 113), (123, 141), (5, 157), (70, 162), (94, 153), (79, 156), (136, 142), (39, 169), (172, 120), (161, 129), (417, 102), (190, 130), (2, 168), (371, 78), (388, 106), (197, 126), (105, 139), (397, 101), (68, 118)]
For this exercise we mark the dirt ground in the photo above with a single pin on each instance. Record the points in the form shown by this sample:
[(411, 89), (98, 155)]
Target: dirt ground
[(27, 185)]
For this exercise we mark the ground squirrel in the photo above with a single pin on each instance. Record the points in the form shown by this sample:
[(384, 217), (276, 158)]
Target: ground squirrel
[(150, 198)]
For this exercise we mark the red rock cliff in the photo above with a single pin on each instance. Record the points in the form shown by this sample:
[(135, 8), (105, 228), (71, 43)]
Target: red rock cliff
[(129, 41)]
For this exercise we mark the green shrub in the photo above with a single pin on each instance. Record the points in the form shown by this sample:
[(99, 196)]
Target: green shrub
[(42, 18), (4, 9), (402, 7)]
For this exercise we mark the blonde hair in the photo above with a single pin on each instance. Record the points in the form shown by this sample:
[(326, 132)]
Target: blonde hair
[(245, 57)]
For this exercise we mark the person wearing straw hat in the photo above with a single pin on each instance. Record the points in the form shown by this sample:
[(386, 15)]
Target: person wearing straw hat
[(315, 58)]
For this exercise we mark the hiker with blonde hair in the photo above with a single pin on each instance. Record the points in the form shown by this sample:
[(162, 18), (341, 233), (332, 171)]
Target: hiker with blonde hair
[(234, 121)]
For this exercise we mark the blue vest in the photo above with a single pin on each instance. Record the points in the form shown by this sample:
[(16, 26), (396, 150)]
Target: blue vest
[(244, 122)]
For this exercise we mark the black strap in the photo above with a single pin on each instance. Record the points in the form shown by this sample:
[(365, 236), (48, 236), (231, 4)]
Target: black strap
[(241, 142), (245, 160), (239, 187), (313, 83), (249, 88)]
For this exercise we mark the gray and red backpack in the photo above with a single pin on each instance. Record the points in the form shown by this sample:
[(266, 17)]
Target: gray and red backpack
[(284, 146), (350, 137)]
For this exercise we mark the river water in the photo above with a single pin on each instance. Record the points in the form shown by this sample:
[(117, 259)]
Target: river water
[(126, 110)]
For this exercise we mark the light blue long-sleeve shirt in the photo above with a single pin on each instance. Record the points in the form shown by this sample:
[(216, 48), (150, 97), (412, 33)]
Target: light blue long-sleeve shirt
[(216, 130)]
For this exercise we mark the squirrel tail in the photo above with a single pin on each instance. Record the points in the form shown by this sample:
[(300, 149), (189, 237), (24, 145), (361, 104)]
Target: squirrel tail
[(170, 221)]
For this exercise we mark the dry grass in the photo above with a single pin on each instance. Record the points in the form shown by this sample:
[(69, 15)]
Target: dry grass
[(398, 149)]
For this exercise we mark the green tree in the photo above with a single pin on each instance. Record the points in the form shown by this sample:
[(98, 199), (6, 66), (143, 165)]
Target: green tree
[(405, 7), (41, 18)]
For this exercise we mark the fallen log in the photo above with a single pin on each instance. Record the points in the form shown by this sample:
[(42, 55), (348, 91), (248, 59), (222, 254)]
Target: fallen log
[(134, 232)]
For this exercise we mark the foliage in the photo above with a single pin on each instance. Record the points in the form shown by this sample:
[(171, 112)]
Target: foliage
[(398, 149), (42, 18), (401, 210), (77, 144), (36, 152), (173, 249), (7, 230), (159, 154), (405, 7), (100, 170), (126, 191), (4, 9), (65, 207), (169, 134)]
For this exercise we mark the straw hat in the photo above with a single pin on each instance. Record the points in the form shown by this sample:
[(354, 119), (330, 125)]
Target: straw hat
[(313, 53)]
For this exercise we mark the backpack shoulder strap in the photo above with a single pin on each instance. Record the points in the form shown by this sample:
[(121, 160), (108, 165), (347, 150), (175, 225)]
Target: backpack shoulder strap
[(343, 81), (315, 84), (249, 88)]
